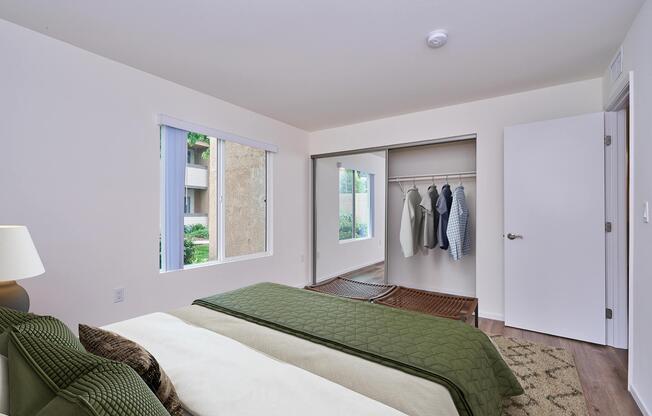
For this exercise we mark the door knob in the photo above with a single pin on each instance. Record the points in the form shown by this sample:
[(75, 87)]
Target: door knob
[(513, 236)]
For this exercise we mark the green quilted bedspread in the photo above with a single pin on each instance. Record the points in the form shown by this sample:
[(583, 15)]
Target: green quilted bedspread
[(450, 353)]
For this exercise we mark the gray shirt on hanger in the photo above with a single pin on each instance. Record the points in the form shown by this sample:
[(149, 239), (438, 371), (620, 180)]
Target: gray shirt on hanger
[(430, 217)]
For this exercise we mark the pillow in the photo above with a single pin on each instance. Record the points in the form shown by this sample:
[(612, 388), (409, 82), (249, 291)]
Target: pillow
[(114, 347), (50, 329), (50, 379), (8, 318)]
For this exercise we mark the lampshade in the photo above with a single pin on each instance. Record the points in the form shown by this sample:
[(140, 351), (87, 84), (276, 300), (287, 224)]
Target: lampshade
[(18, 256)]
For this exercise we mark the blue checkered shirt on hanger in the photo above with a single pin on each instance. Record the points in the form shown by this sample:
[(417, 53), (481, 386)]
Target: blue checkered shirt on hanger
[(459, 229)]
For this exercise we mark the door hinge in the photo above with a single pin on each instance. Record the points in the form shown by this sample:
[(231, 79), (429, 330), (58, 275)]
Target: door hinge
[(610, 313), (607, 140), (607, 227)]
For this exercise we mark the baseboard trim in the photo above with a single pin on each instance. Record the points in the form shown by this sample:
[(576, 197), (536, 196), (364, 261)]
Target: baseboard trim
[(491, 315), (644, 409)]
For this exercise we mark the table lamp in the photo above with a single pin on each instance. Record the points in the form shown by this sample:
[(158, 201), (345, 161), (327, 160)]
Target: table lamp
[(18, 260)]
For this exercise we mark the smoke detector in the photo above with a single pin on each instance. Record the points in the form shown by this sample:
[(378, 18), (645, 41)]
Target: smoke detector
[(437, 38)]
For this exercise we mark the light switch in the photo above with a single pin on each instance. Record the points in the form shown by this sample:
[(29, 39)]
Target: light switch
[(646, 212)]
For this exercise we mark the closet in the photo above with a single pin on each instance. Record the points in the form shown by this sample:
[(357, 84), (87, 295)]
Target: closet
[(421, 166), (417, 165)]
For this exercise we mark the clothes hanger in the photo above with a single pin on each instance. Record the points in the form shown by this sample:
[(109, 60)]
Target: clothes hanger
[(461, 180)]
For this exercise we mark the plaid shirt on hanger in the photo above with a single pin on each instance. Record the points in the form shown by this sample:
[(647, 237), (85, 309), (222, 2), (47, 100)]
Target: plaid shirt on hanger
[(459, 230)]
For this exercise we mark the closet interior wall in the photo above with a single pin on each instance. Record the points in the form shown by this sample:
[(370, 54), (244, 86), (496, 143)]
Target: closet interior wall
[(432, 269)]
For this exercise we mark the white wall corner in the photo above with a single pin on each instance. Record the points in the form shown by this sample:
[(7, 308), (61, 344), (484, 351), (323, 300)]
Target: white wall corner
[(641, 405)]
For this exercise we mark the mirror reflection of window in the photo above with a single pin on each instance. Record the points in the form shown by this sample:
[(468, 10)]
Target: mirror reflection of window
[(349, 215), (362, 213), (346, 204)]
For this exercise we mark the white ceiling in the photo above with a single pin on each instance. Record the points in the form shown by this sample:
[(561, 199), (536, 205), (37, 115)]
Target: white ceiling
[(318, 64)]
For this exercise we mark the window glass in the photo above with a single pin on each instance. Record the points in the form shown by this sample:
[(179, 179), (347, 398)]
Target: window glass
[(213, 199), (245, 199), (362, 205), (200, 216), (346, 203)]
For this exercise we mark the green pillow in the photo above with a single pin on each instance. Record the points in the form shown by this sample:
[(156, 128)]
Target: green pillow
[(9, 318), (113, 389), (51, 376), (50, 329)]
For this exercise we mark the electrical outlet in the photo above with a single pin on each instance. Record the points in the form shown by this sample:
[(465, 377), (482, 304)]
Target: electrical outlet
[(119, 295)]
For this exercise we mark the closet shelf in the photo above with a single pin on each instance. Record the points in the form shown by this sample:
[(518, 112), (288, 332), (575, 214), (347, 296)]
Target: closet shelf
[(450, 175)]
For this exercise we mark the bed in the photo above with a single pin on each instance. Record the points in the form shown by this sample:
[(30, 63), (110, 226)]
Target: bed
[(216, 375), (271, 349)]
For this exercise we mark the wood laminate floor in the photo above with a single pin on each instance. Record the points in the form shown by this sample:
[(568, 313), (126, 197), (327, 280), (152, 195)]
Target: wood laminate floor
[(370, 274), (602, 370)]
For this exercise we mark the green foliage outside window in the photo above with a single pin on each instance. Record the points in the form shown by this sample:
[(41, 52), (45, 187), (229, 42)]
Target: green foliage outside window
[(196, 232), (346, 226), (193, 138), (188, 251), (194, 253)]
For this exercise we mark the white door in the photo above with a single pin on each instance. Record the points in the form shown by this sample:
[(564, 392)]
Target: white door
[(555, 227)]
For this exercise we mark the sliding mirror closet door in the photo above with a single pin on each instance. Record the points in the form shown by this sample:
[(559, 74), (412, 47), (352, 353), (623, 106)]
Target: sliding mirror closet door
[(349, 216)]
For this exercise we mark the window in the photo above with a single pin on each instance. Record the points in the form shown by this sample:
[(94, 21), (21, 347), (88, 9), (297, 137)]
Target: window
[(214, 199), (356, 214)]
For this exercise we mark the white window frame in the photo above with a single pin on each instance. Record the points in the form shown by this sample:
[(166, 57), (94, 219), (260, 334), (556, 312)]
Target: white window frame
[(370, 186), (223, 137)]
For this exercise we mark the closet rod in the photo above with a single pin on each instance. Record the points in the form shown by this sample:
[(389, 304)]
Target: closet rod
[(452, 175)]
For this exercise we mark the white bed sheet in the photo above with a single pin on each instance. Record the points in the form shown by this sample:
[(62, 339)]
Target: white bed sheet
[(215, 375)]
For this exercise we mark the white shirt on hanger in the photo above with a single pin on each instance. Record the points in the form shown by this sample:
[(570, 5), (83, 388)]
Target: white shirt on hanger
[(411, 229)]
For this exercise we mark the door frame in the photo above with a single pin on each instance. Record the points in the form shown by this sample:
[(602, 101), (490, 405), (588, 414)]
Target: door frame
[(622, 98), (616, 213)]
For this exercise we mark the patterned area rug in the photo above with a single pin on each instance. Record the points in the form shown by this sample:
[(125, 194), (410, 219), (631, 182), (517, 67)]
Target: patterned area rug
[(548, 376)]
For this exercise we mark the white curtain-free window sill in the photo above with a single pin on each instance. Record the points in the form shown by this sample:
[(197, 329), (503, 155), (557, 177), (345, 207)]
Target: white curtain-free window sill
[(220, 262), (353, 240)]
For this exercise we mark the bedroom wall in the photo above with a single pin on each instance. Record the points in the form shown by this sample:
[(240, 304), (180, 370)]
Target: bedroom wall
[(334, 257), (638, 58), (486, 118), (79, 165)]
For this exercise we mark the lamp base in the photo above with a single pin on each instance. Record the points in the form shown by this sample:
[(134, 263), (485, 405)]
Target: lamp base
[(13, 296)]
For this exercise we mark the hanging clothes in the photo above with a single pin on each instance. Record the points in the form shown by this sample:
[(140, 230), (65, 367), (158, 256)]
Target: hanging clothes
[(444, 203), (430, 217), (411, 228), (459, 231)]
